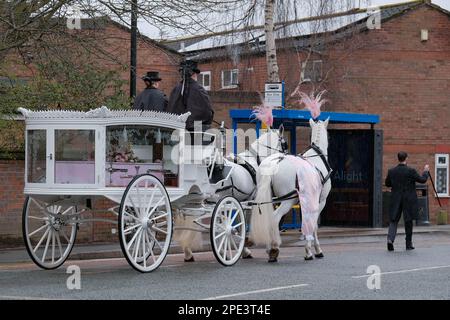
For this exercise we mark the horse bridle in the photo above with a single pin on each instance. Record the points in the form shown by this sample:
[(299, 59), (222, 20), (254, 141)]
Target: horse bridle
[(282, 143)]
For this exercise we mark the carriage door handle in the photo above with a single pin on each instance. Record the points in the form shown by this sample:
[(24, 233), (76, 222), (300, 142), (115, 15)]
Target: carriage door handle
[(50, 156)]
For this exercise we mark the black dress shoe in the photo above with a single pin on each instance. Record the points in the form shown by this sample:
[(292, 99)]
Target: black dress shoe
[(390, 246), (409, 247)]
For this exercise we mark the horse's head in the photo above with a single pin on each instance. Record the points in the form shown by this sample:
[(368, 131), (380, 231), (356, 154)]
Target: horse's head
[(319, 134), (269, 142)]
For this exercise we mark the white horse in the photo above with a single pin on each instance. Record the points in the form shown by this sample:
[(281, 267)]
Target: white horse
[(278, 176), (241, 184)]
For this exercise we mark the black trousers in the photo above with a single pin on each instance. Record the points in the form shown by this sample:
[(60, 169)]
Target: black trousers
[(393, 230)]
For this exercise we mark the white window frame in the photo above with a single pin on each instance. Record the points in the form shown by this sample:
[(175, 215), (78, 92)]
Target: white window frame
[(438, 166), (208, 88), (314, 62), (232, 86)]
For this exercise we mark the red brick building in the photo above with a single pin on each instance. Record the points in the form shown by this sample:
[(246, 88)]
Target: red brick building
[(400, 72)]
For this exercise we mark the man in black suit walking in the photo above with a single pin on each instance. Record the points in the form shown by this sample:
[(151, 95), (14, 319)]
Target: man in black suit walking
[(402, 179)]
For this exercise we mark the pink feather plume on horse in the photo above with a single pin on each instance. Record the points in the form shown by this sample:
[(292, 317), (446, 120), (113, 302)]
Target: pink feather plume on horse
[(311, 102), (264, 114)]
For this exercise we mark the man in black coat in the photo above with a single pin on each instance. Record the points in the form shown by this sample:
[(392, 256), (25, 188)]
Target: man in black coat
[(402, 179), (190, 96), (151, 98)]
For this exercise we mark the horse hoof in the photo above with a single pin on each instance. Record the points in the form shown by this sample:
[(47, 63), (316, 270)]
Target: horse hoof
[(309, 258), (319, 255), (191, 259), (247, 257), (273, 255)]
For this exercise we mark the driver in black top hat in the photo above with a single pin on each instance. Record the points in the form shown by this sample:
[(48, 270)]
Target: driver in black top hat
[(151, 98), (190, 96)]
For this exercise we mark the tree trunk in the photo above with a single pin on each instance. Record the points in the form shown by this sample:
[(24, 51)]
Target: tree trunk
[(271, 50)]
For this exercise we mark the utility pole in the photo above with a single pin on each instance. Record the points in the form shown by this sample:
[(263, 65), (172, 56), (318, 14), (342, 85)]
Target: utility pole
[(133, 53)]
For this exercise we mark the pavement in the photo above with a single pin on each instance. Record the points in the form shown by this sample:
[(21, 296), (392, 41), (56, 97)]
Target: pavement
[(290, 238)]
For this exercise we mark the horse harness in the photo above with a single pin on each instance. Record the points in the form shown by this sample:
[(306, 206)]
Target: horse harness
[(294, 193), (324, 159)]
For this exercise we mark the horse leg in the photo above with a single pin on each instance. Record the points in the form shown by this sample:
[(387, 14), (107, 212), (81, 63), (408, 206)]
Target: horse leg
[(278, 214), (319, 253), (188, 256), (308, 251), (247, 254)]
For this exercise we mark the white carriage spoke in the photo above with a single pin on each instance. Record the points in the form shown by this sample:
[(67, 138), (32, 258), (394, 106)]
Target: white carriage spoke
[(134, 206), (225, 249), (46, 245), (151, 251), (38, 218), (59, 245), (234, 218), (155, 240), (136, 247), (229, 249), (53, 247), (139, 200), (161, 224), (160, 216), (220, 226), (37, 230), (219, 235), (149, 204), (67, 210), (145, 196), (159, 230), (133, 239), (156, 206), (37, 203), (143, 248), (238, 225), (233, 243), (150, 246), (131, 216), (220, 245), (131, 228), (65, 235), (42, 239)]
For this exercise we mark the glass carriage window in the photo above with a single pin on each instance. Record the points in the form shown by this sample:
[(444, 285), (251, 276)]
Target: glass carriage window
[(36, 156), (138, 149), (75, 156)]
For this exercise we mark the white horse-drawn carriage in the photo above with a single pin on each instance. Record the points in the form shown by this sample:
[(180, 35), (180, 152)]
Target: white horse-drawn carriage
[(141, 162)]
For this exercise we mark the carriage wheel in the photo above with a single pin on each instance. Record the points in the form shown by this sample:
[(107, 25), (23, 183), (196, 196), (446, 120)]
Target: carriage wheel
[(145, 223), (228, 231), (49, 232)]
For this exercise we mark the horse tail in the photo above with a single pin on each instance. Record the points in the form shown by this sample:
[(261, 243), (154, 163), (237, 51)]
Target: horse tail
[(262, 223)]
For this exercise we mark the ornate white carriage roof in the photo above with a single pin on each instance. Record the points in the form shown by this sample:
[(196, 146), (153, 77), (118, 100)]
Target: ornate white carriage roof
[(103, 112)]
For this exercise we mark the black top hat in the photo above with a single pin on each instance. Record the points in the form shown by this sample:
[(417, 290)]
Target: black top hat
[(152, 76), (190, 66)]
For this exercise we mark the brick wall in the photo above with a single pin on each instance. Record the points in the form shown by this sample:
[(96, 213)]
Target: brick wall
[(389, 72)]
